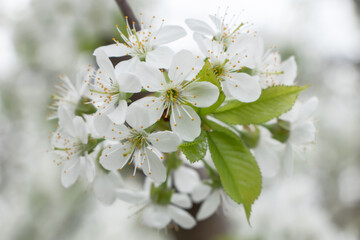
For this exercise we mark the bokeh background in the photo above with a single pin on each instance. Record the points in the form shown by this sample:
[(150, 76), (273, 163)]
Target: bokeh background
[(40, 39)]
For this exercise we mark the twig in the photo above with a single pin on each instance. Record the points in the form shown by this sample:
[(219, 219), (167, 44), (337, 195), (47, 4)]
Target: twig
[(126, 11)]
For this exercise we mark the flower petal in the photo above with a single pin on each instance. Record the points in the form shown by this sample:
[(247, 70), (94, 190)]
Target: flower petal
[(160, 57), (200, 192), (165, 141), (182, 64), (186, 179), (113, 50), (201, 94), (128, 82), (80, 129), (181, 217), (209, 206), (290, 71), (154, 107), (156, 170), (89, 168), (105, 186), (288, 159), (181, 200), (133, 197), (303, 133), (105, 64), (307, 110), (151, 78), (137, 117), (66, 121), (200, 27), (107, 129), (156, 216), (115, 156), (243, 87), (70, 172), (168, 34), (203, 43), (119, 113), (185, 122)]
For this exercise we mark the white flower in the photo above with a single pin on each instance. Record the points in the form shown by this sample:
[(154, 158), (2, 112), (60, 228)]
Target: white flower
[(69, 94), (70, 142), (135, 145), (214, 197), (111, 87), (225, 31), (145, 44), (268, 65), (176, 94), (302, 129), (157, 215), (229, 66), (105, 186), (267, 153)]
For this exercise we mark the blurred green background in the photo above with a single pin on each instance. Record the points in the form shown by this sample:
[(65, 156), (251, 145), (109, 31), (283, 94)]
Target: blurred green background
[(40, 39)]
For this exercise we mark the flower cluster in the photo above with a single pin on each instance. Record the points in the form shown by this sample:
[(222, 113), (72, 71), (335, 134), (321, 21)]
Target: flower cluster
[(232, 110)]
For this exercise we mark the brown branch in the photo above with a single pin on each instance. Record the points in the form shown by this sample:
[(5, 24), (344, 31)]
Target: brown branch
[(126, 11)]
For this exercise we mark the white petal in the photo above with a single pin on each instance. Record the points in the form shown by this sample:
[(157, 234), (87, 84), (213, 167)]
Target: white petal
[(160, 57), (127, 66), (156, 171), (216, 22), (288, 159), (105, 187), (203, 43), (80, 129), (105, 64), (168, 34), (307, 110), (209, 206), (181, 200), (165, 141), (70, 172), (154, 107), (128, 82), (66, 121), (185, 122), (106, 128), (113, 158), (181, 217), (200, 27), (151, 78), (186, 179), (200, 192), (119, 113), (137, 117), (290, 71), (201, 94), (133, 197), (89, 168), (268, 160), (156, 216), (243, 87), (303, 133), (112, 50), (182, 65)]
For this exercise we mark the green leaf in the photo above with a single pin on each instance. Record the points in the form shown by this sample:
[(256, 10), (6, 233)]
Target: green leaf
[(239, 173), (196, 150), (208, 74), (273, 102)]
